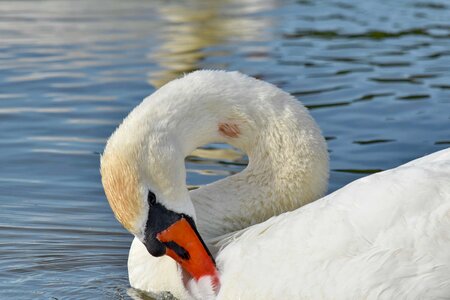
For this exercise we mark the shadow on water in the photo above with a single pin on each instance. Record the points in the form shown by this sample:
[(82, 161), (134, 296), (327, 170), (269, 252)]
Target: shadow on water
[(375, 76)]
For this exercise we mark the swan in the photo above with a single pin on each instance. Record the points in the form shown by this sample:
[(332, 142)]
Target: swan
[(262, 233)]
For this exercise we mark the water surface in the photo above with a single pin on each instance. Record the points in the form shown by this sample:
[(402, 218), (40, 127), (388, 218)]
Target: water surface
[(375, 75)]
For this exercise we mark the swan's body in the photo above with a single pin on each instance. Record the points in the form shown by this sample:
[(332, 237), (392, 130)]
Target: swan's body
[(386, 236)]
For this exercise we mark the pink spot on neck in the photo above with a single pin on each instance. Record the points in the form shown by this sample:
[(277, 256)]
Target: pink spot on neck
[(229, 129)]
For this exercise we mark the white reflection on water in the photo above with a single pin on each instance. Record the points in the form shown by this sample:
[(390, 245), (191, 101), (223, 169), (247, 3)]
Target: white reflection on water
[(93, 121), (191, 29), (19, 110), (75, 139), (49, 75), (21, 180), (59, 151)]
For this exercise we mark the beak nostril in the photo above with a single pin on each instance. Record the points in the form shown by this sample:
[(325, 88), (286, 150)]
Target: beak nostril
[(180, 251)]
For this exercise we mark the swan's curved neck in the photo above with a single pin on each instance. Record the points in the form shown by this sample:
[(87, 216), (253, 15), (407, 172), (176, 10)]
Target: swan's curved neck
[(288, 167), (288, 161)]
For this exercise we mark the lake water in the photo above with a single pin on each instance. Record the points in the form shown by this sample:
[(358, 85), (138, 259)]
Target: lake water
[(375, 75)]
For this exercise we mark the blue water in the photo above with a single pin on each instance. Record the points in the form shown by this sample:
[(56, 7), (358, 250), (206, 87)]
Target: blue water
[(375, 75)]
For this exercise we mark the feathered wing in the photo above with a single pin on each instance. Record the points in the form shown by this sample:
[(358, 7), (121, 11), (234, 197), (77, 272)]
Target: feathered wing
[(385, 236)]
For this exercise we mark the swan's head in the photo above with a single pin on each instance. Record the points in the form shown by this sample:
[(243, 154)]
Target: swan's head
[(143, 175)]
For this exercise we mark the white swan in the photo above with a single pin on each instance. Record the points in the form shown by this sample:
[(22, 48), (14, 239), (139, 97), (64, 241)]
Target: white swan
[(385, 236)]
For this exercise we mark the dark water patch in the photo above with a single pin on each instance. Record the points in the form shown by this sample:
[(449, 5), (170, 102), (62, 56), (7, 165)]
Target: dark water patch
[(327, 105), (414, 97), (373, 34), (199, 160), (377, 141), (415, 46), (438, 54), (391, 53), (317, 91), (423, 76), (430, 5), (441, 86), (391, 64), (369, 97), (340, 59), (358, 171), (395, 80), (353, 70), (348, 45)]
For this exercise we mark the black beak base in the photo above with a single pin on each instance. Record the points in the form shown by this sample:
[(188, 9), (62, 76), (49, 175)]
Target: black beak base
[(159, 219)]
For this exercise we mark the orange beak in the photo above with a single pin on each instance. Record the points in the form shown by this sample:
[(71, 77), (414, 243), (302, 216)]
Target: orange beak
[(185, 246)]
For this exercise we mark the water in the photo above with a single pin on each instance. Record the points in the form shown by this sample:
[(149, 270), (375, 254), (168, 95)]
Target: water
[(375, 74)]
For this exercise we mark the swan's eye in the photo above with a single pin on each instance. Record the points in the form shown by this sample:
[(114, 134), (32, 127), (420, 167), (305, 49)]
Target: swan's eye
[(151, 198)]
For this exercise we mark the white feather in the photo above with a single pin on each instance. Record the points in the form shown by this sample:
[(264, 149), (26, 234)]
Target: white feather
[(203, 289)]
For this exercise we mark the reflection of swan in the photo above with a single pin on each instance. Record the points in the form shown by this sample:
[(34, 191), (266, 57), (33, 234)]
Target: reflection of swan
[(190, 28), (385, 236)]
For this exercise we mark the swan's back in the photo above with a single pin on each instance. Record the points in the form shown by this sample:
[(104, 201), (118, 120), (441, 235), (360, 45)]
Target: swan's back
[(385, 236)]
